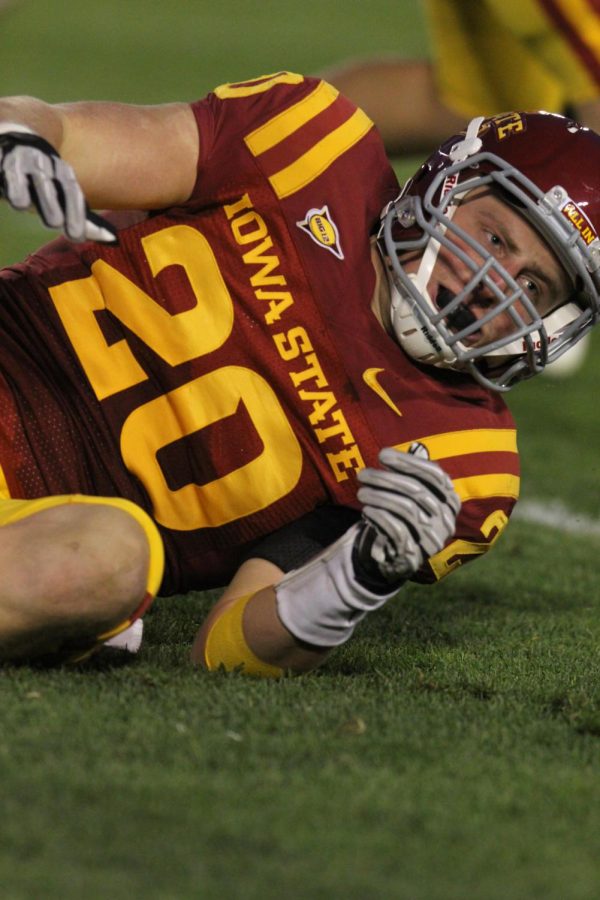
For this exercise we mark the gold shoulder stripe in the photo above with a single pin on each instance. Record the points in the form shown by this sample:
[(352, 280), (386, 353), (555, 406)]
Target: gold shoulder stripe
[(460, 443), (316, 160), (257, 86), (290, 120), (479, 487)]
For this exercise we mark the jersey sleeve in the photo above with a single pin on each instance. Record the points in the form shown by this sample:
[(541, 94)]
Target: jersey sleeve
[(285, 125), (233, 115), (484, 467)]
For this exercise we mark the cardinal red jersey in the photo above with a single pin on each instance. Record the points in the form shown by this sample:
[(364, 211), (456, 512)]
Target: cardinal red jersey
[(222, 367)]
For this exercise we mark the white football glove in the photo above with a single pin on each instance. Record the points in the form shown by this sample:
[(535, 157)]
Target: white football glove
[(32, 174), (410, 509)]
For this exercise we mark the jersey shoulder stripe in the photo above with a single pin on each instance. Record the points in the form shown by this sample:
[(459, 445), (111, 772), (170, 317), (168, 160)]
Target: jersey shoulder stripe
[(236, 89), (316, 160), (478, 487), (297, 165), (460, 443), (290, 120), (475, 441)]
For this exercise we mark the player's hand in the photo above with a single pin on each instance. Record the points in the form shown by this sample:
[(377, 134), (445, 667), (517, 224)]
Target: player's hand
[(32, 174), (410, 509)]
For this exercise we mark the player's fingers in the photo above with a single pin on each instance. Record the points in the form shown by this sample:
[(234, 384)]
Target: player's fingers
[(31, 178), (428, 472), (393, 487), (44, 198), (394, 541), (416, 510), (430, 538), (72, 201), (99, 229), (16, 182)]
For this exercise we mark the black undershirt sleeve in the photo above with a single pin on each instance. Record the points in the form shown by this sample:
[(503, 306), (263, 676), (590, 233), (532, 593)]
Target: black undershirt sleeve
[(296, 543)]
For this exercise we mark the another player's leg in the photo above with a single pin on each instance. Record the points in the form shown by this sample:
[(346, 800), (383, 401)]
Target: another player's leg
[(381, 88), (75, 571)]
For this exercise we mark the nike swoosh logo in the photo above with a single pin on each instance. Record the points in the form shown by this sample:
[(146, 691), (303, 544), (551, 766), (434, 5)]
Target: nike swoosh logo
[(370, 379)]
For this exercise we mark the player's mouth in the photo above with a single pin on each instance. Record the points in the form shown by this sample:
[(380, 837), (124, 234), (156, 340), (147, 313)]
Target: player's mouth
[(461, 317)]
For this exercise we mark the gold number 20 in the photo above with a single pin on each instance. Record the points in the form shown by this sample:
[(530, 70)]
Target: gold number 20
[(177, 338)]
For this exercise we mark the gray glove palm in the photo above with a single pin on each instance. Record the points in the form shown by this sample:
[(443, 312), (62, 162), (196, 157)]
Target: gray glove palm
[(410, 508)]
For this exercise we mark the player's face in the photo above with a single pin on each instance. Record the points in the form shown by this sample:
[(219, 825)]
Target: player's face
[(516, 245)]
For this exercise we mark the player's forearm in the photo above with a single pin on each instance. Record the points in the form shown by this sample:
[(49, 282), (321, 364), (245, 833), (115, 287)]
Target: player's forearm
[(124, 156), (244, 628), (246, 631), (270, 641), (401, 97)]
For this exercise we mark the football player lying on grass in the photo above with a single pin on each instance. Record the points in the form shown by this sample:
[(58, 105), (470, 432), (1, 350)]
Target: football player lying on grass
[(267, 366)]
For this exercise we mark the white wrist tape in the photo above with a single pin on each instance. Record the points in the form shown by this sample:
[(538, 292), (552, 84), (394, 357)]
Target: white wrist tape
[(322, 602)]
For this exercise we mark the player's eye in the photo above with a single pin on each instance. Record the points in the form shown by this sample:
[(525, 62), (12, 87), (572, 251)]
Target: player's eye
[(494, 240), (531, 287)]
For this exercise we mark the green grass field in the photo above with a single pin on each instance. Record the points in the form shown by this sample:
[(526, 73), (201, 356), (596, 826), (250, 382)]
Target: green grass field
[(452, 750)]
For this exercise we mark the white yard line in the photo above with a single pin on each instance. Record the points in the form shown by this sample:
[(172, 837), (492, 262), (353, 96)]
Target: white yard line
[(554, 514)]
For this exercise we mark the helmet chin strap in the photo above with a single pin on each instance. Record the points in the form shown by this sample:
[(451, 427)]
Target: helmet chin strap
[(470, 144), (410, 325)]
